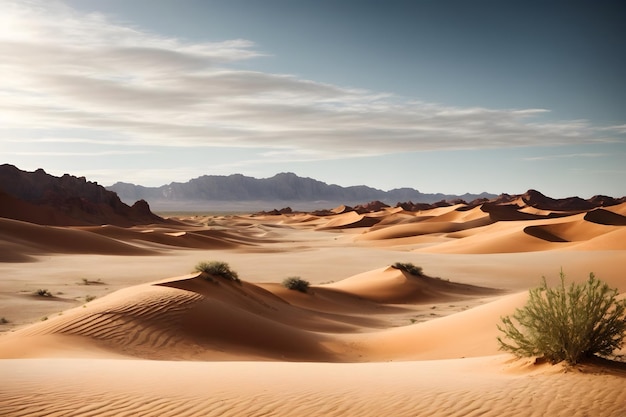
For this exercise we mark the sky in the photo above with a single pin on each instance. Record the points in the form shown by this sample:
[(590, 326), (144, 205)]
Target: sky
[(441, 96)]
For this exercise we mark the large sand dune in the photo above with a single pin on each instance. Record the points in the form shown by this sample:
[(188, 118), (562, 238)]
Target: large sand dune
[(366, 339)]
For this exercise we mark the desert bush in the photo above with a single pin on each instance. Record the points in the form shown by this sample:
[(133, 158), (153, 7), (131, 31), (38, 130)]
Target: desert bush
[(296, 283), (566, 323), (89, 298), (219, 269), (3, 320), (409, 268), (92, 282), (43, 293)]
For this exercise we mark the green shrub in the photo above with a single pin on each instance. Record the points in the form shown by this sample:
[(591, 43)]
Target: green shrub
[(296, 283), (92, 282), (409, 268), (89, 298), (217, 269), (566, 323)]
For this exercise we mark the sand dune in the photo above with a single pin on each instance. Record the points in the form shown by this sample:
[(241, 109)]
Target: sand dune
[(465, 334), (619, 209), (502, 237), (200, 239), (393, 286), (574, 231), (426, 227), (400, 217), (614, 240), (349, 220), (214, 321), (496, 229), (376, 341), (21, 239), (208, 318)]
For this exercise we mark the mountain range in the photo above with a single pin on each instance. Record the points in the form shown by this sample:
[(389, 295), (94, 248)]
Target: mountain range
[(38, 197), (241, 192)]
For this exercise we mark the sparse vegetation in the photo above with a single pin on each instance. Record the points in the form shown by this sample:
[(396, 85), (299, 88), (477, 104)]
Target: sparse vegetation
[(296, 283), (566, 323), (43, 293), (217, 269), (3, 320), (409, 268), (44, 318), (92, 282), (89, 298)]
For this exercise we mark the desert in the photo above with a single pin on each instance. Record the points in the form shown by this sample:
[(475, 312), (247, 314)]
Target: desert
[(366, 208), (109, 320)]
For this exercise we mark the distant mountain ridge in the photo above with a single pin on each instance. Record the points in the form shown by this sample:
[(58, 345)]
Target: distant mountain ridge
[(283, 187), (41, 198)]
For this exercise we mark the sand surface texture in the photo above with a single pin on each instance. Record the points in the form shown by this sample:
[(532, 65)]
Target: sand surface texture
[(125, 328)]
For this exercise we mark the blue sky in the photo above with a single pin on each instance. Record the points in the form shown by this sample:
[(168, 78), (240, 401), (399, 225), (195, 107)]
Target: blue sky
[(442, 96)]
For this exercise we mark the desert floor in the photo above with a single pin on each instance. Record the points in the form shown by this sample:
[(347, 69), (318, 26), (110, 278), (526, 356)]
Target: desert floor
[(129, 329)]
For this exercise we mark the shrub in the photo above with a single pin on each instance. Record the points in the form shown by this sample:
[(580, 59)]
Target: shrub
[(43, 293), (92, 282), (219, 269), (566, 323), (409, 268), (89, 298), (296, 283)]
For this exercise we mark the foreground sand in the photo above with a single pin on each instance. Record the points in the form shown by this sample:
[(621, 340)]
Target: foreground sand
[(469, 387), (367, 340)]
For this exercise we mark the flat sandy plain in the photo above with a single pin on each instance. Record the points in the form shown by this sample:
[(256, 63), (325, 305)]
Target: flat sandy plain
[(365, 340)]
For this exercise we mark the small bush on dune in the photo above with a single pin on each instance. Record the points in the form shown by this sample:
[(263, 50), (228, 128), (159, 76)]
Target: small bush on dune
[(219, 269), (43, 293), (91, 282), (566, 323), (296, 283), (409, 268)]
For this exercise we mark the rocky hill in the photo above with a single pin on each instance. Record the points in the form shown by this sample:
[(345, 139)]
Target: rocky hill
[(41, 198), (502, 207)]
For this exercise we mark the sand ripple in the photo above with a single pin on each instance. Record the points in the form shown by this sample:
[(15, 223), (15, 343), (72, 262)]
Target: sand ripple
[(475, 387)]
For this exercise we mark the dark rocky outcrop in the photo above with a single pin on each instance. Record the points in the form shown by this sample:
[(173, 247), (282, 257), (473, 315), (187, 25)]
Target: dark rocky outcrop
[(41, 198)]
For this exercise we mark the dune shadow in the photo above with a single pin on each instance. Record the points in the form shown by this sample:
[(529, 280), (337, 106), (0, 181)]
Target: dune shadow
[(605, 217), (541, 233), (603, 366)]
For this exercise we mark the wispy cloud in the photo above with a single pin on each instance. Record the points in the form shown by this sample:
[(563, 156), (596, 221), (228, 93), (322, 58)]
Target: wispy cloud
[(63, 70), (566, 156), (73, 153)]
